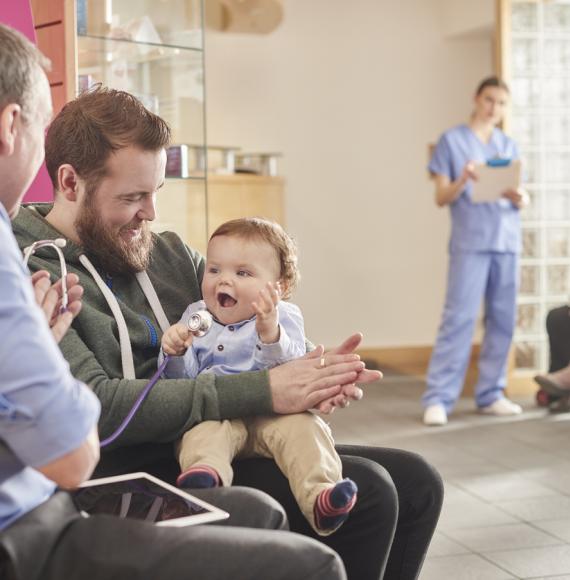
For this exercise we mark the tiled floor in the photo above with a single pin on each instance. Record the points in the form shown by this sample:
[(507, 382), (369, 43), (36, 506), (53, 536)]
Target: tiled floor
[(507, 508)]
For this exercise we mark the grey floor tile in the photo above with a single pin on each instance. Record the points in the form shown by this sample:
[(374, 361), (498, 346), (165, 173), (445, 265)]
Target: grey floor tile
[(462, 510), (472, 513), (565, 577), (464, 567), (558, 528), (554, 476), (533, 562), (503, 486), (537, 509), (474, 469), (441, 545), (506, 537)]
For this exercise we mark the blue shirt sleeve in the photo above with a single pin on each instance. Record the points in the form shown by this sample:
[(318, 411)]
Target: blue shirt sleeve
[(291, 343), (44, 412), (440, 163), (515, 149)]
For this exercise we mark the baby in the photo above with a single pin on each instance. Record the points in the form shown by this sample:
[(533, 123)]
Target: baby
[(251, 265)]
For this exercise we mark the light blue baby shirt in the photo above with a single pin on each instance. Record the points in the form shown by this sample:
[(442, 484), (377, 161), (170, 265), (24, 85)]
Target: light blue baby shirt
[(44, 412), (236, 348), (477, 227)]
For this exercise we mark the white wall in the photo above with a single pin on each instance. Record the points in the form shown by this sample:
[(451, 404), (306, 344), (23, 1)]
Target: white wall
[(460, 17), (351, 93)]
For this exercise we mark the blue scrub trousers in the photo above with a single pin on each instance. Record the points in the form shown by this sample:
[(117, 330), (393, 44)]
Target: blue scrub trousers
[(472, 277)]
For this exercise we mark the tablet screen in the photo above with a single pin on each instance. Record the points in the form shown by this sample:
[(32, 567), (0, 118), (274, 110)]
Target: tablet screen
[(142, 497)]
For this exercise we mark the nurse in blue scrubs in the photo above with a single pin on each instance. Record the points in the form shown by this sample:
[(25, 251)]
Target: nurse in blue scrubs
[(483, 261)]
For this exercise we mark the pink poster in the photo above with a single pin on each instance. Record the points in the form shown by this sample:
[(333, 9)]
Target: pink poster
[(18, 14)]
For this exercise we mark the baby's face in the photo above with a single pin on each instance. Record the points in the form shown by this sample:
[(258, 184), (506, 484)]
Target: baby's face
[(236, 270)]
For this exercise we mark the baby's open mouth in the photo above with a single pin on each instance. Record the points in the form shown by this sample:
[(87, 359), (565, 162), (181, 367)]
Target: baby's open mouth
[(225, 300)]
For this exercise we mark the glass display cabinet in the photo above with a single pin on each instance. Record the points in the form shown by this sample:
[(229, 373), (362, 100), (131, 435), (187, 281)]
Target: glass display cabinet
[(154, 49), (535, 60)]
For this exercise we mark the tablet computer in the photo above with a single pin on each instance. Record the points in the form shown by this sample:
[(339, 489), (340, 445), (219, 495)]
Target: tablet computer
[(144, 497)]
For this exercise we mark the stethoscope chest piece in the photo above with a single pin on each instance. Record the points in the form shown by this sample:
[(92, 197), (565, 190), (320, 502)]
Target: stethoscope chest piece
[(200, 322)]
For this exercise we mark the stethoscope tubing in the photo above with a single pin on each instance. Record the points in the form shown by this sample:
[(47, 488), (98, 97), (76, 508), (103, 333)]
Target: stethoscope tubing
[(199, 324), (142, 396), (56, 244)]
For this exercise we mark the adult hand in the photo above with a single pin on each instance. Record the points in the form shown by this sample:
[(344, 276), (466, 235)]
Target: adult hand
[(518, 197), (468, 172), (351, 391), (48, 297), (303, 383)]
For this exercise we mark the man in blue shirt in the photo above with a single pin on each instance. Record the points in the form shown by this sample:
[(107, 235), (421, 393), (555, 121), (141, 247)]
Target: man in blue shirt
[(48, 420)]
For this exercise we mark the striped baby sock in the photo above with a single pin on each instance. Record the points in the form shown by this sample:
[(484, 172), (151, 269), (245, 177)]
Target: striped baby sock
[(334, 504), (199, 477)]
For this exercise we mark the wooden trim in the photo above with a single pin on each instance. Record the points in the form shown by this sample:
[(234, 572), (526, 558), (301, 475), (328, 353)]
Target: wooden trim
[(503, 45), (70, 27), (414, 360), (522, 384)]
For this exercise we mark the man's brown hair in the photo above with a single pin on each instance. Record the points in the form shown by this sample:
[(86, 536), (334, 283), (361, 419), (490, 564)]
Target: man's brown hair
[(97, 123), (252, 228), (20, 62)]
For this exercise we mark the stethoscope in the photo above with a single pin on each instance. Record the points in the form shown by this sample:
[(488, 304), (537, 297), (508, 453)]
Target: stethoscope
[(56, 244), (199, 324)]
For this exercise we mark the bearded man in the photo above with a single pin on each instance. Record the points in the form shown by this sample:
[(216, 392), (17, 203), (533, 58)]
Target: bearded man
[(106, 157)]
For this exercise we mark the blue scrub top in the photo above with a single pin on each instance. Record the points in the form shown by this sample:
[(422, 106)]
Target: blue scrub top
[(44, 412), (477, 227)]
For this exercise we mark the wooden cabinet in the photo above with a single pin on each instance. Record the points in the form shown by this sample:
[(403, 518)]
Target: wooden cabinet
[(54, 22), (228, 197)]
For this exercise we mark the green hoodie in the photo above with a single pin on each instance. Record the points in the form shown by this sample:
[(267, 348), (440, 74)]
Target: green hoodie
[(92, 348)]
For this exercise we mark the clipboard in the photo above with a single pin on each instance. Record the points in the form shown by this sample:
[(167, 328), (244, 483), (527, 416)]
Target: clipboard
[(493, 178)]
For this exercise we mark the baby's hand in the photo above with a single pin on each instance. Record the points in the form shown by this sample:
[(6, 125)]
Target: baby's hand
[(265, 308), (177, 340)]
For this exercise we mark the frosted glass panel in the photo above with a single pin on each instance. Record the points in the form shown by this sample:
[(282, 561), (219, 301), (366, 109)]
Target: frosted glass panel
[(525, 55), (556, 55), (526, 92), (525, 130), (556, 16), (528, 319), (557, 205), (558, 243), (524, 17), (532, 210), (556, 129), (557, 279), (555, 92), (529, 281), (527, 355), (530, 242), (557, 167)]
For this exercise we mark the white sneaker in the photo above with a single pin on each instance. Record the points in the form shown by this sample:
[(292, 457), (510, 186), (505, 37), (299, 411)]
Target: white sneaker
[(502, 408), (435, 416)]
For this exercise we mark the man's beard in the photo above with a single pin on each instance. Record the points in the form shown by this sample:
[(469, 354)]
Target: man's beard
[(109, 250)]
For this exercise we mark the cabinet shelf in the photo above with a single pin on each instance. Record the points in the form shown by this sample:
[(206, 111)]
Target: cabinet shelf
[(129, 41)]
